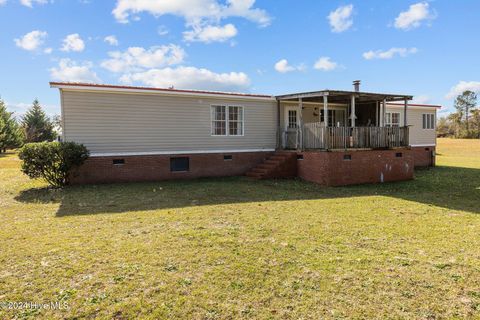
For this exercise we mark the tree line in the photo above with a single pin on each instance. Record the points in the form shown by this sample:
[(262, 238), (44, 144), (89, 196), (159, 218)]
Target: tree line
[(465, 122), (34, 126)]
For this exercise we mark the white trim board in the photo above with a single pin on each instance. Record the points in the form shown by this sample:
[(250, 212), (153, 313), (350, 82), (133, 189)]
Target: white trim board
[(160, 92), (153, 153), (423, 145)]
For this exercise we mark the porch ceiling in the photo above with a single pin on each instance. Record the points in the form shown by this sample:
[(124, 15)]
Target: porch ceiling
[(338, 96)]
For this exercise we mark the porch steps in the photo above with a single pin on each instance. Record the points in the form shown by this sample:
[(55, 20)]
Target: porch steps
[(282, 164)]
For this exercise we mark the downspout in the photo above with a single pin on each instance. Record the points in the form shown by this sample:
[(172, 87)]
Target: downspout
[(279, 129)]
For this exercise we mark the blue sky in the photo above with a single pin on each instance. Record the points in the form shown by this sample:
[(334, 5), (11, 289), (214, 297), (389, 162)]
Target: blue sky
[(428, 49)]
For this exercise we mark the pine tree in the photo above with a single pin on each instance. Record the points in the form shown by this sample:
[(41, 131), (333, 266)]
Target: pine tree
[(38, 127), (10, 132), (464, 103)]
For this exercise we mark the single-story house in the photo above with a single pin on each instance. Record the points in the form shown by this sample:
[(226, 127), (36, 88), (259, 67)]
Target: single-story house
[(331, 137)]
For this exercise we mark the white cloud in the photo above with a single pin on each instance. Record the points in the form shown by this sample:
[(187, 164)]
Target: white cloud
[(193, 11), (462, 86), (137, 58), (190, 78), (282, 66), (72, 71), (3, 2), (32, 40), (209, 34), (111, 40), (421, 99), (389, 54), (414, 16), (73, 42), (162, 30), (48, 50), (325, 64), (341, 19), (29, 3)]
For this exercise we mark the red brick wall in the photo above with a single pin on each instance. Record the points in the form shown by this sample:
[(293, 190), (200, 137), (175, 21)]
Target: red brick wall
[(371, 166), (157, 167), (424, 156)]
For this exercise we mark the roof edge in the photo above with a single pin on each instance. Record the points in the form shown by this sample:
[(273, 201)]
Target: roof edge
[(417, 105), (110, 87)]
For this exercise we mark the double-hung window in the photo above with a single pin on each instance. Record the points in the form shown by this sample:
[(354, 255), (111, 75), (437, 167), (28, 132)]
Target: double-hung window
[(428, 121), (227, 121), (392, 119)]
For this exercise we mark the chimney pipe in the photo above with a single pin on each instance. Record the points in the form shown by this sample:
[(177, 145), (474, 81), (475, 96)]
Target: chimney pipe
[(356, 85)]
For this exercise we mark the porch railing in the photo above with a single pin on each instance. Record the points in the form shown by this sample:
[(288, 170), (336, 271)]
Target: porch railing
[(316, 136)]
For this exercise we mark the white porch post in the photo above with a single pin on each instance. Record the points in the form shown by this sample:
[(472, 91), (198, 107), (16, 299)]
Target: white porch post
[(300, 124), (384, 112), (325, 111), (352, 116), (377, 114), (405, 122)]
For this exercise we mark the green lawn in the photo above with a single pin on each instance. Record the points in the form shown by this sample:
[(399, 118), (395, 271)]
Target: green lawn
[(236, 248)]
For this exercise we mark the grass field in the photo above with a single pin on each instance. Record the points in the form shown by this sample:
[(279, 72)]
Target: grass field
[(236, 248)]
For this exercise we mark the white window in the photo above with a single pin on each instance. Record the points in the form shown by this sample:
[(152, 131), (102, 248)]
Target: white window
[(428, 121), (235, 121), (227, 121), (331, 117), (392, 119), (292, 119)]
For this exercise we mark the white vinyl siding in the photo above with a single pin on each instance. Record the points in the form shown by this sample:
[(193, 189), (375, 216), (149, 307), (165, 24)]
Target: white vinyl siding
[(417, 135), (113, 122)]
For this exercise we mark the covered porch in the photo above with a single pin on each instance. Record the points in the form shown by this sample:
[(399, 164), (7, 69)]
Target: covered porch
[(333, 119)]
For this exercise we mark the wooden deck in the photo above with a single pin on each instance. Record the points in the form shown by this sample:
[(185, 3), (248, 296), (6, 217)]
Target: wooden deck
[(316, 136)]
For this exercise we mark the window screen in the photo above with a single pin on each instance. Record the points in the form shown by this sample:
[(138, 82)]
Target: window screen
[(227, 121), (219, 121), (292, 118), (392, 119), (235, 121), (428, 120)]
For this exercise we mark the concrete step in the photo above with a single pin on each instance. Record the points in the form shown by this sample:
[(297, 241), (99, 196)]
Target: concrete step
[(254, 175), (272, 162), (259, 170), (267, 166), (278, 157)]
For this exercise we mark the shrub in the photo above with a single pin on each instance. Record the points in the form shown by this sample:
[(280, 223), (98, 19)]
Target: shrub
[(52, 161)]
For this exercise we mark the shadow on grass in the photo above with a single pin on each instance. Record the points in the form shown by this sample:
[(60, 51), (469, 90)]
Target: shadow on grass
[(449, 187)]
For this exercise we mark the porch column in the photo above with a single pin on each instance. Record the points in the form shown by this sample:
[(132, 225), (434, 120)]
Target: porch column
[(405, 105), (279, 126), (384, 112), (352, 115), (377, 114), (300, 124), (325, 111)]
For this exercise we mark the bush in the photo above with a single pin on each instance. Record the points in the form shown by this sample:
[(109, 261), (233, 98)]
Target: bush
[(52, 161)]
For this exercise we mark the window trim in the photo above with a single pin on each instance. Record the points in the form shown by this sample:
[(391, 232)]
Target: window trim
[(227, 120), (390, 117), (425, 121), (286, 117)]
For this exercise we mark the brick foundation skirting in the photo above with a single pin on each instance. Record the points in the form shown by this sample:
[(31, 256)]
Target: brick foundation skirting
[(157, 167), (356, 167), (325, 168), (424, 156)]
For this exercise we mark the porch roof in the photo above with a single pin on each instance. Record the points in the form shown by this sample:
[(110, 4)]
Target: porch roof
[(343, 96)]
